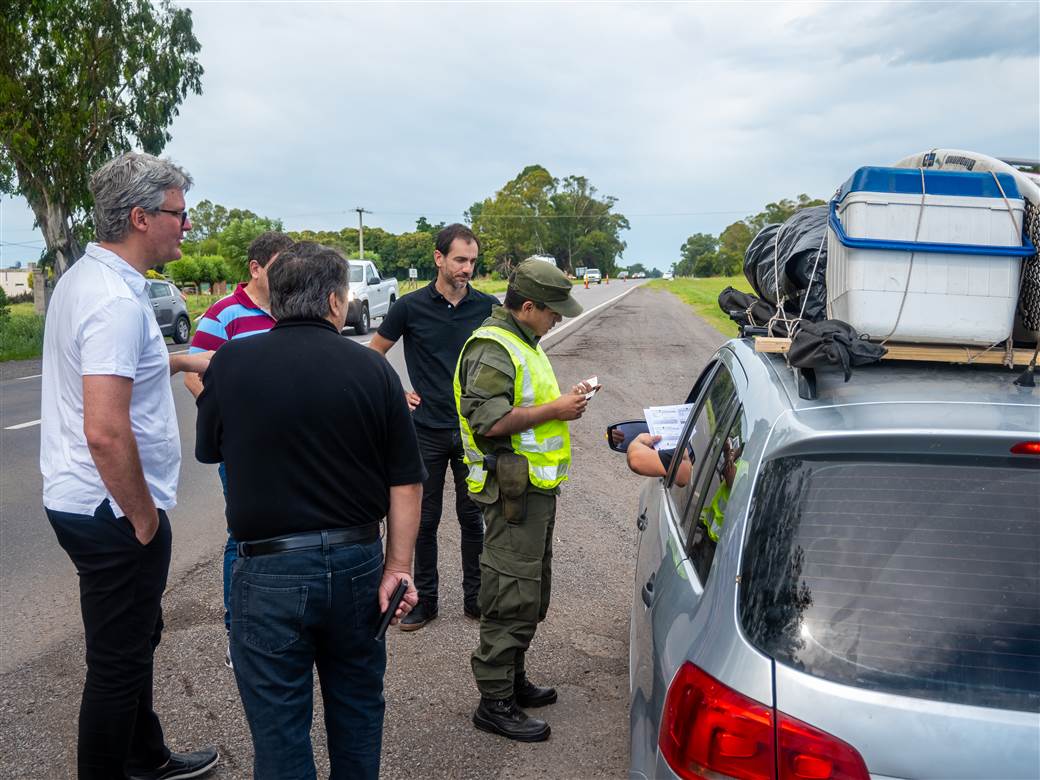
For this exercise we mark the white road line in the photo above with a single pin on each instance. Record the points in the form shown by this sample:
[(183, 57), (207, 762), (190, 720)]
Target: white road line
[(563, 326), (22, 425), (34, 376)]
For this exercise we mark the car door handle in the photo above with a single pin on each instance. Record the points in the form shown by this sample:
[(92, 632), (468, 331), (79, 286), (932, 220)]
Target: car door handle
[(648, 591), (641, 521)]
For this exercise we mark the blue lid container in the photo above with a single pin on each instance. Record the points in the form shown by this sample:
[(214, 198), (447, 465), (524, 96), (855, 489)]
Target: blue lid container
[(907, 181)]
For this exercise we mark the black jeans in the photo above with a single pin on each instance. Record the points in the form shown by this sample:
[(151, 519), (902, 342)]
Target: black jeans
[(440, 448), (121, 583)]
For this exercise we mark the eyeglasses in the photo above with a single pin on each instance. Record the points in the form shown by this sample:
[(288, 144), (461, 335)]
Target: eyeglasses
[(182, 214)]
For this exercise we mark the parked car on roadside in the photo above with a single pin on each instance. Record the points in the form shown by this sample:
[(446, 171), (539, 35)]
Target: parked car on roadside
[(368, 295), (667, 276), (593, 276), (871, 606), (171, 310)]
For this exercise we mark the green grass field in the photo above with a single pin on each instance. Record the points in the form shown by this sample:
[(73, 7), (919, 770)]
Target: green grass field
[(702, 295), (21, 335)]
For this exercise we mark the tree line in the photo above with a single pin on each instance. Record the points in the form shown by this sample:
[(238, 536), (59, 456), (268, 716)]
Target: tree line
[(532, 214), (703, 254)]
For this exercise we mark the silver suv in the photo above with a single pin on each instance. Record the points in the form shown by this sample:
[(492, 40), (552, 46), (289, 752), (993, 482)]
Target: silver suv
[(871, 606), (171, 312)]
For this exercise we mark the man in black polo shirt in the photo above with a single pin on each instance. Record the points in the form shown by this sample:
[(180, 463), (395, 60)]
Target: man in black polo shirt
[(435, 323), (318, 444)]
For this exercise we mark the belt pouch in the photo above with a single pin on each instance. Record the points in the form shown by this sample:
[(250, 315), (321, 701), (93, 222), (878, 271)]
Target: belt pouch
[(511, 470)]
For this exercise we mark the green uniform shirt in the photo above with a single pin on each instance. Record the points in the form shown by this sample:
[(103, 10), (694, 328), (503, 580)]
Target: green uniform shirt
[(487, 379)]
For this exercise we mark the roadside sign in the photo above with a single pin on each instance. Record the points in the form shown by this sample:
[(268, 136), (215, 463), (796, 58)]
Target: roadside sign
[(413, 273)]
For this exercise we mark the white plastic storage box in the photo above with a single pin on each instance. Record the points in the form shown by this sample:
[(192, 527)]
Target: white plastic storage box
[(962, 251)]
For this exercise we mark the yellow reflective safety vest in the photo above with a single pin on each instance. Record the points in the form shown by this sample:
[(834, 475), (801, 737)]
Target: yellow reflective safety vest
[(714, 515), (547, 446)]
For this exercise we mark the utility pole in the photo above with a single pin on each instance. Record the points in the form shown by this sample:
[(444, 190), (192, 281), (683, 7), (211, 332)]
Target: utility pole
[(361, 230)]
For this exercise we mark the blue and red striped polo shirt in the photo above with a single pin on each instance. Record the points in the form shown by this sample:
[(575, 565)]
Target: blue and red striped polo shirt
[(233, 317)]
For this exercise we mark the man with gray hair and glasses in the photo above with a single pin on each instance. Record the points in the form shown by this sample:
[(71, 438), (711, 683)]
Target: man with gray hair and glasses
[(110, 456), (306, 490)]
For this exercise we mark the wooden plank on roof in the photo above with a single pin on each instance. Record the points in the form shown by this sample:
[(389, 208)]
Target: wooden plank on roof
[(931, 353)]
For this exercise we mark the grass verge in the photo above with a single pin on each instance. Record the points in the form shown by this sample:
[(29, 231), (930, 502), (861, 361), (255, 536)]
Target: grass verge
[(21, 337), (702, 295)]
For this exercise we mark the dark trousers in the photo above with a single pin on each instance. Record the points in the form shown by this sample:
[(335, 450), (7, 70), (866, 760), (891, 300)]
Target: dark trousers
[(291, 612), (121, 583), (515, 592), (442, 447)]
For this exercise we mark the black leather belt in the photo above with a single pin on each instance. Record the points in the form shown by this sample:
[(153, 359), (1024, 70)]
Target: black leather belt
[(361, 534)]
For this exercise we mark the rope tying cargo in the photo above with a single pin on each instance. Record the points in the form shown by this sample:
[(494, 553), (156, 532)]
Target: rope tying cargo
[(910, 268)]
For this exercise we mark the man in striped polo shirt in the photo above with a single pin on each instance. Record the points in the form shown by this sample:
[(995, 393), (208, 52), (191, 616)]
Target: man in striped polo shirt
[(246, 312)]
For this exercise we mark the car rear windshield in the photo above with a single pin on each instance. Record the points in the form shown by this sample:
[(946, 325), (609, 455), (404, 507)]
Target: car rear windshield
[(921, 579)]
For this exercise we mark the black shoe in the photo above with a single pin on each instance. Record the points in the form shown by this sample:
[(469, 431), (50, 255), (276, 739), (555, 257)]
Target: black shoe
[(418, 617), (530, 695), (472, 611), (503, 717), (182, 765)]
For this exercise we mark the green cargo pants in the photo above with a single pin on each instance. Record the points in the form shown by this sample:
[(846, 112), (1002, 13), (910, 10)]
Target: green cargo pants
[(516, 577)]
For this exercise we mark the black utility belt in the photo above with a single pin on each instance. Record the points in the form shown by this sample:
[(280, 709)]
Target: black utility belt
[(361, 534)]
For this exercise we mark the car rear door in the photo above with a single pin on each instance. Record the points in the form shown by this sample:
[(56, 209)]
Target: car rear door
[(162, 304), (666, 587)]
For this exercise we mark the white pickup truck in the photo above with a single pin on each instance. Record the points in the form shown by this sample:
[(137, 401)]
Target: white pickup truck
[(368, 295)]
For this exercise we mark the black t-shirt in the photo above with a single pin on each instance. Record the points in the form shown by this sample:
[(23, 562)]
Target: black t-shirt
[(434, 332), (312, 428)]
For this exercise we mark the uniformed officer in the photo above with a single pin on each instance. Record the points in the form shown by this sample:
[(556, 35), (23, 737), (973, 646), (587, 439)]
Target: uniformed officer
[(517, 448)]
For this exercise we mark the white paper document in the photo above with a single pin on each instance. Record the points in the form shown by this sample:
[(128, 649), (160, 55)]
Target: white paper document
[(667, 422)]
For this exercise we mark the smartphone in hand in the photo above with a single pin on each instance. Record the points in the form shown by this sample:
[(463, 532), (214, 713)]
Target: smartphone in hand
[(593, 381), (391, 610)]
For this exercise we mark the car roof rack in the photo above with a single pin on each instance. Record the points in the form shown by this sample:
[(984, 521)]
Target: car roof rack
[(1006, 355)]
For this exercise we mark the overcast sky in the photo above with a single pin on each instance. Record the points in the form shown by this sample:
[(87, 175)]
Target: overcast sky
[(691, 115)]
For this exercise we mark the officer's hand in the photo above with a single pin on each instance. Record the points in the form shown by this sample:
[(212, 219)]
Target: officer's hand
[(386, 589), (413, 400), (570, 406)]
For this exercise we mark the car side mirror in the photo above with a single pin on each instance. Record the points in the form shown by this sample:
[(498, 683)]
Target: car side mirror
[(620, 435)]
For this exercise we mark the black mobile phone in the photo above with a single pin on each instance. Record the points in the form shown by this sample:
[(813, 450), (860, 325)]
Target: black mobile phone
[(395, 602)]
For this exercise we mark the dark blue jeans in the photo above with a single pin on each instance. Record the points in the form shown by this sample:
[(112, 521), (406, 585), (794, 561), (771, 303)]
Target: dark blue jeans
[(294, 611), (121, 583), (441, 448), (230, 553)]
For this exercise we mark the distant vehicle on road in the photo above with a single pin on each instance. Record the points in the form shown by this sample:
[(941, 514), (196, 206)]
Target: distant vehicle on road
[(368, 295), (592, 275), (622, 275), (543, 258), (171, 311), (843, 587), (667, 276)]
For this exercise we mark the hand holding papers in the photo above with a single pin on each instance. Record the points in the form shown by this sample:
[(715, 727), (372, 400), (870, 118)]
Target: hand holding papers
[(667, 422)]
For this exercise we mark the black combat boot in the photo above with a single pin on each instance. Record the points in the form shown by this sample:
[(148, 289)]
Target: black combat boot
[(503, 717), (530, 695)]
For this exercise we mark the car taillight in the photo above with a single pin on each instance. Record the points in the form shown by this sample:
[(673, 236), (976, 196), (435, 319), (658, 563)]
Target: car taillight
[(708, 729), (1026, 448), (806, 753), (710, 732)]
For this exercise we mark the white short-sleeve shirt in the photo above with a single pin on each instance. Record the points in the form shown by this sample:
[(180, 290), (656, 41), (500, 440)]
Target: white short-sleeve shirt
[(100, 322)]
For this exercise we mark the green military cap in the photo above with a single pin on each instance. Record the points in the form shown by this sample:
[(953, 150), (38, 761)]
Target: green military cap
[(544, 283)]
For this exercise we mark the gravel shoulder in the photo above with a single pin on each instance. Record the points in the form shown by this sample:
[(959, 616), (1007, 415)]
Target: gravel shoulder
[(646, 350)]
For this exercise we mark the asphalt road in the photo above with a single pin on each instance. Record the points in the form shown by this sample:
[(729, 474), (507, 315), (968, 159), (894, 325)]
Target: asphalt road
[(646, 348)]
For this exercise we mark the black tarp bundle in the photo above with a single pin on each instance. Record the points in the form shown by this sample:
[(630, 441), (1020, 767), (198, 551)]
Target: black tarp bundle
[(831, 343), (797, 250)]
